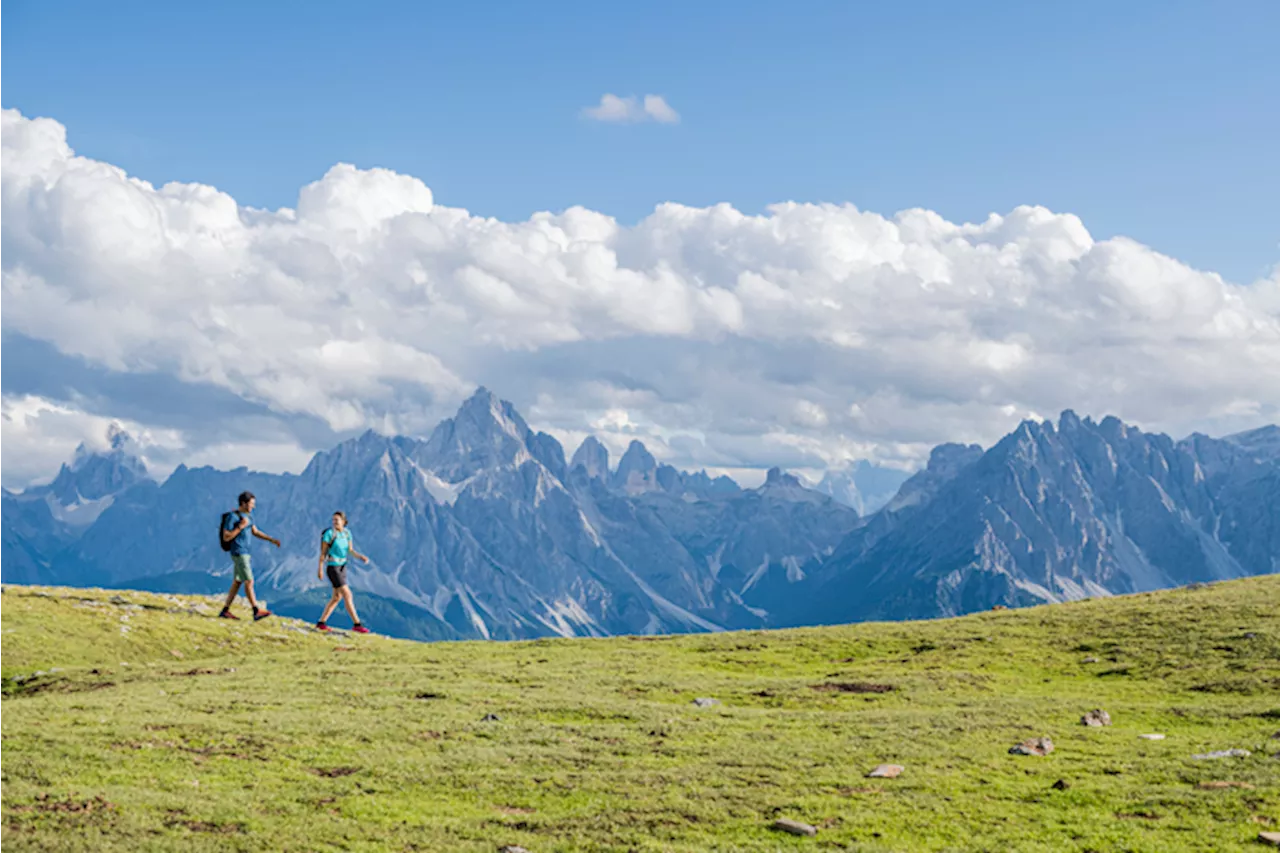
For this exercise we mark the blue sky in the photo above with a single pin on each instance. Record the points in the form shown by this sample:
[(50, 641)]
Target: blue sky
[(1157, 120), (806, 337)]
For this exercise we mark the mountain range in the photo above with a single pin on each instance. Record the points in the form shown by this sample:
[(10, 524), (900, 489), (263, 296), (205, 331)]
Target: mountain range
[(485, 529)]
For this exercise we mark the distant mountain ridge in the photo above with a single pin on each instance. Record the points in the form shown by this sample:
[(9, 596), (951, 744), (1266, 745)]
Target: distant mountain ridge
[(485, 530), (483, 527), (1053, 514)]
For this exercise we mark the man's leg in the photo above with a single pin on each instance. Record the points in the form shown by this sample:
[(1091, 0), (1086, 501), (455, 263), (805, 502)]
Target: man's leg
[(248, 593), (351, 604), (231, 596)]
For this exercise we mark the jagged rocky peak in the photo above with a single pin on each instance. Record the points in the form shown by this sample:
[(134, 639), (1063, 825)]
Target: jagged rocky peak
[(485, 433), (1113, 429), (776, 477), (488, 415), (703, 485), (1262, 443), (345, 457), (781, 485), (862, 486), (949, 458), (97, 474), (946, 461), (1069, 420), (637, 470), (593, 458)]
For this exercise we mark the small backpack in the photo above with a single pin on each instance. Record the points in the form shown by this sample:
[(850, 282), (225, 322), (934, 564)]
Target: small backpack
[(222, 526)]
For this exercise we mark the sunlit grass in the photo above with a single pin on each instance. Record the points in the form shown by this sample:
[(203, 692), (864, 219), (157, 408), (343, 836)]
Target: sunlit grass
[(243, 736)]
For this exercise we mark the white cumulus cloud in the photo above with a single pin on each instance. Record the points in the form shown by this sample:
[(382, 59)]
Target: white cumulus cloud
[(805, 336), (630, 109)]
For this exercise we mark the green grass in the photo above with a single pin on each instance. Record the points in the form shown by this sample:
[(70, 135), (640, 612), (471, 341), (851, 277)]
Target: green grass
[(270, 737)]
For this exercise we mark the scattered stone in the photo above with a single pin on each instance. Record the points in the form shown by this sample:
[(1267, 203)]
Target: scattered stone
[(1060, 785), (490, 718), (794, 827), (1035, 746), (1218, 786), (176, 653), (886, 771), (1223, 753), (1152, 736), (1250, 635), (1090, 659), (1272, 838), (512, 848), (704, 702), (1096, 717)]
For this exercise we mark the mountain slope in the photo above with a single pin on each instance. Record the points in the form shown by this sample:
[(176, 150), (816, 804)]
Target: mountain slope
[(1057, 514), (185, 732), (483, 529)]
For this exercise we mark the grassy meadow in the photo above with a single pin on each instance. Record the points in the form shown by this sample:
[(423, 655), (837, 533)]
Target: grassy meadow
[(134, 721)]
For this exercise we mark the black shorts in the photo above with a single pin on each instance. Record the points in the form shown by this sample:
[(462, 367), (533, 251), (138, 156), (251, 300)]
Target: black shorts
[(337, 575)]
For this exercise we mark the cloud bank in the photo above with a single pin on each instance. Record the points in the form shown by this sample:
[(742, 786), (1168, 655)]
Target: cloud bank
[(807, 336), (630, 110)]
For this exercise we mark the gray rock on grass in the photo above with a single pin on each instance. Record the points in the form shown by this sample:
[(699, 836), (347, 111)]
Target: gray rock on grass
[(1035, 746), (704, 702), (886, 771), (1223, 753), (794, 827), (1097, 717)]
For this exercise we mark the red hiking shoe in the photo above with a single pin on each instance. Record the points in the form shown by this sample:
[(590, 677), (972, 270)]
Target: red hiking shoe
[(227, 614), (261, 614), (360, 629), (321, 626)]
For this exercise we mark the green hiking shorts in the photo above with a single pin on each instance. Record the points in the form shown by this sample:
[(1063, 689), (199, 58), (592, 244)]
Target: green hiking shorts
[(244, 568)]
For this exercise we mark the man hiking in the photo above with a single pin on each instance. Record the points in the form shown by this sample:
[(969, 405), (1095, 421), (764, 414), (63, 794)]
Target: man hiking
[(236, 528), (335, 548)]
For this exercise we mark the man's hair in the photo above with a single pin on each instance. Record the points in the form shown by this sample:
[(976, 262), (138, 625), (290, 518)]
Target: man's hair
[(245, 497)]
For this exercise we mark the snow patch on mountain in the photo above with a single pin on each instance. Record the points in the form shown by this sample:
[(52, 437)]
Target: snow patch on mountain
[(80, 512)]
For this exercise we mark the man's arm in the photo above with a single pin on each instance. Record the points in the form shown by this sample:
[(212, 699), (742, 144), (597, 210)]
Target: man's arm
[(228, 535), (261, 535)]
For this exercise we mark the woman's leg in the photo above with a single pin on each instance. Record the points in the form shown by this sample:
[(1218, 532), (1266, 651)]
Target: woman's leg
[(328, 608), (351, 604)]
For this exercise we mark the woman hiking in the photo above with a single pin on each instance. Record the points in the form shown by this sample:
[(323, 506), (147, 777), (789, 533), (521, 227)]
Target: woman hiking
[(335, 548)]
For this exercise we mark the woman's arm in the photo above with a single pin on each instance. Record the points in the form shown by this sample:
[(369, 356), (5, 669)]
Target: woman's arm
[(324, 552), (361, 557)]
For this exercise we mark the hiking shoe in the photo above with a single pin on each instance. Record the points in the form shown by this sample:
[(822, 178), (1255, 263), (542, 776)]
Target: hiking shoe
[(227, 614), (321, 626), (261, 614), (360, 629)]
